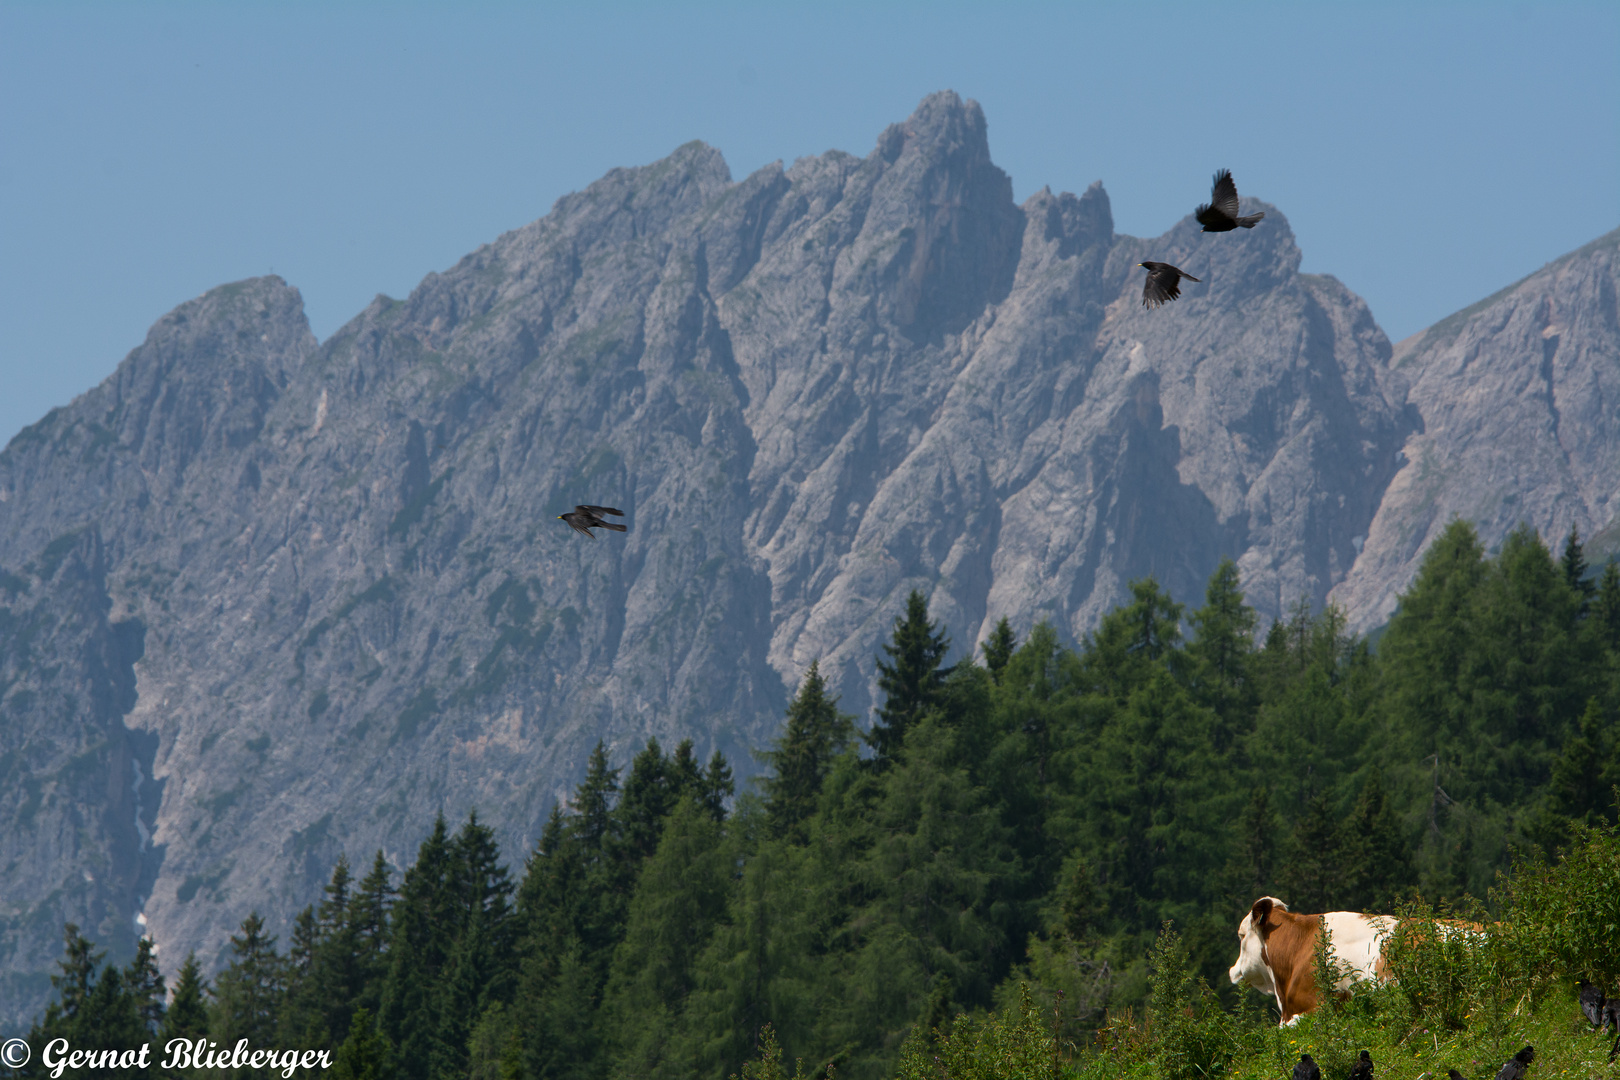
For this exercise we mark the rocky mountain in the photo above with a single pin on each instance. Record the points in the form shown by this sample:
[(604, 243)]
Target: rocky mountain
[(334, 574), (1519, 397)]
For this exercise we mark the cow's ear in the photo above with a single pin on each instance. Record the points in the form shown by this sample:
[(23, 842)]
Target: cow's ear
[(1258, 913)]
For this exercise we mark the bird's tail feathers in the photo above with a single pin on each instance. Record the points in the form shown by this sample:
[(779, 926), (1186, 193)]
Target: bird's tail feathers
[(1252, 220), (614, 526)]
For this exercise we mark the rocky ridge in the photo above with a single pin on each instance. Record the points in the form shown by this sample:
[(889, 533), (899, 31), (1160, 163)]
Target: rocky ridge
[(812, 391), (1519, 397)]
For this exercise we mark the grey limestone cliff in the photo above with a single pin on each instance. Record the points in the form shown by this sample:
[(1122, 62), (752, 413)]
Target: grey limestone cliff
[(811, 390), (1518, 398), (75, 792)]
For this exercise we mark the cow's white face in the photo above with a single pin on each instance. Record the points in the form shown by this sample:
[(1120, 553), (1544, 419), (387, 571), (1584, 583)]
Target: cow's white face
[(1250, 966)]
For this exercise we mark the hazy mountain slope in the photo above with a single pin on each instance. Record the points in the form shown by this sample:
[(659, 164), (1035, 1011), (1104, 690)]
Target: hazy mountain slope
[(811, 391), (1519, 397), (71, 775)]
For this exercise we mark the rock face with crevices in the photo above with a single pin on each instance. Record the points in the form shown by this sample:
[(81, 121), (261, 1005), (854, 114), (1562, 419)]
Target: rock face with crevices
[(1519, 405), (812, 391), (75, 792)]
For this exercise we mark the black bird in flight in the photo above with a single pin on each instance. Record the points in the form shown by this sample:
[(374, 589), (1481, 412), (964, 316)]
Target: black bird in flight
[(1363, 1068), (1220, 214), (1592, 1001), (1514, 1069), (586, 518), (1163, 283), (1307, 1069)]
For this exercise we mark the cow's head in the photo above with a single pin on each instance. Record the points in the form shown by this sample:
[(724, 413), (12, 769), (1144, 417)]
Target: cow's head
[(1252, 965)]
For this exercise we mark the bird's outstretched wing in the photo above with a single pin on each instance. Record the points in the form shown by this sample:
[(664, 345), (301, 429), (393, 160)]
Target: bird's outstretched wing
[(1223, 194), (1163, 283), (1161, 287), (598, 511)]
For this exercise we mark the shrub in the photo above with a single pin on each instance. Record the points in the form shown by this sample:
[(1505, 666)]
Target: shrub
[(1190, 1036), (1016, 1046), (1566, 916)]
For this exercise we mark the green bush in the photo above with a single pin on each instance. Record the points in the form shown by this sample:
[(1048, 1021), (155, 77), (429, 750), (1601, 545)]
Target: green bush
[(1446, 967), (768, 1066), (1566, 915), (1190, 1037), (1012, 1046)]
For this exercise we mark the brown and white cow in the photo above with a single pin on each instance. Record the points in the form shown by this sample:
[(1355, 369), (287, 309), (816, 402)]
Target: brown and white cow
[(1276, 949)]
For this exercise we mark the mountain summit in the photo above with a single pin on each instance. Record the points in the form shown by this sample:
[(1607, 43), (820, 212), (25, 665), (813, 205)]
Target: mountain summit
[(292, 599)]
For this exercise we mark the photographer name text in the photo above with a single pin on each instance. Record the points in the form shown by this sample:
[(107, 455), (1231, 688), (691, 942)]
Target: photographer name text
[(183, 1054)]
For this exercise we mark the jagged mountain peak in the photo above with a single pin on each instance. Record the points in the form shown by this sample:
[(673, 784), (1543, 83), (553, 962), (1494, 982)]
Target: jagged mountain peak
[(812, 390)]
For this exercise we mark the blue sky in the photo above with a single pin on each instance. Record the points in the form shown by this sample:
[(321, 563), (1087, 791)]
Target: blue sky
[(1426, 155)]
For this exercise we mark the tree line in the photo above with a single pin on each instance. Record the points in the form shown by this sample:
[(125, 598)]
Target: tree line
[(1029, 816)]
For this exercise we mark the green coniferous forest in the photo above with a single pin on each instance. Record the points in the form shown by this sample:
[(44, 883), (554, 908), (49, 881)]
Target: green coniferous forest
[(1010, 835)]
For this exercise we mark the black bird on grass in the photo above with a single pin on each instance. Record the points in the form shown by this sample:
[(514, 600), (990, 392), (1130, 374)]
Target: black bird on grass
[(585, 518), (1514, 1069), (1307, 1069), (1220, 214), (1163, 283), (1592, 1002), (1455, 1075), (1611, 1018), (1363, 1068)]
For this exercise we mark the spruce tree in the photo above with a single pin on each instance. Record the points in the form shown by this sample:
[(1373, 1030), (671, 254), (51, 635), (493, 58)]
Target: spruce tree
[(679, 897), (146, 987), (339, 969), (593, 801), (110, 1020), (368, 927), (999, 648), (1220, 657), (365, 1054), (480, 969), (1132, 642), (1526, 676), (571, 903), (187, 1014), (1573, 564), (1580, 790), (1080, 915), (249, 990), (297, 966), (816, 733), (424, 924), (1254, 846), (911, 678), (1377, 862), (1606, 608), (78, 969), (686, 777), (649, 794), (461, 994), (1314, 875), (718, 786)]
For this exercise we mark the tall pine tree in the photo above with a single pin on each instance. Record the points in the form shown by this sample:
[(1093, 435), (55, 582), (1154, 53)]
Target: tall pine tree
[(816, 733), (910, 679)]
